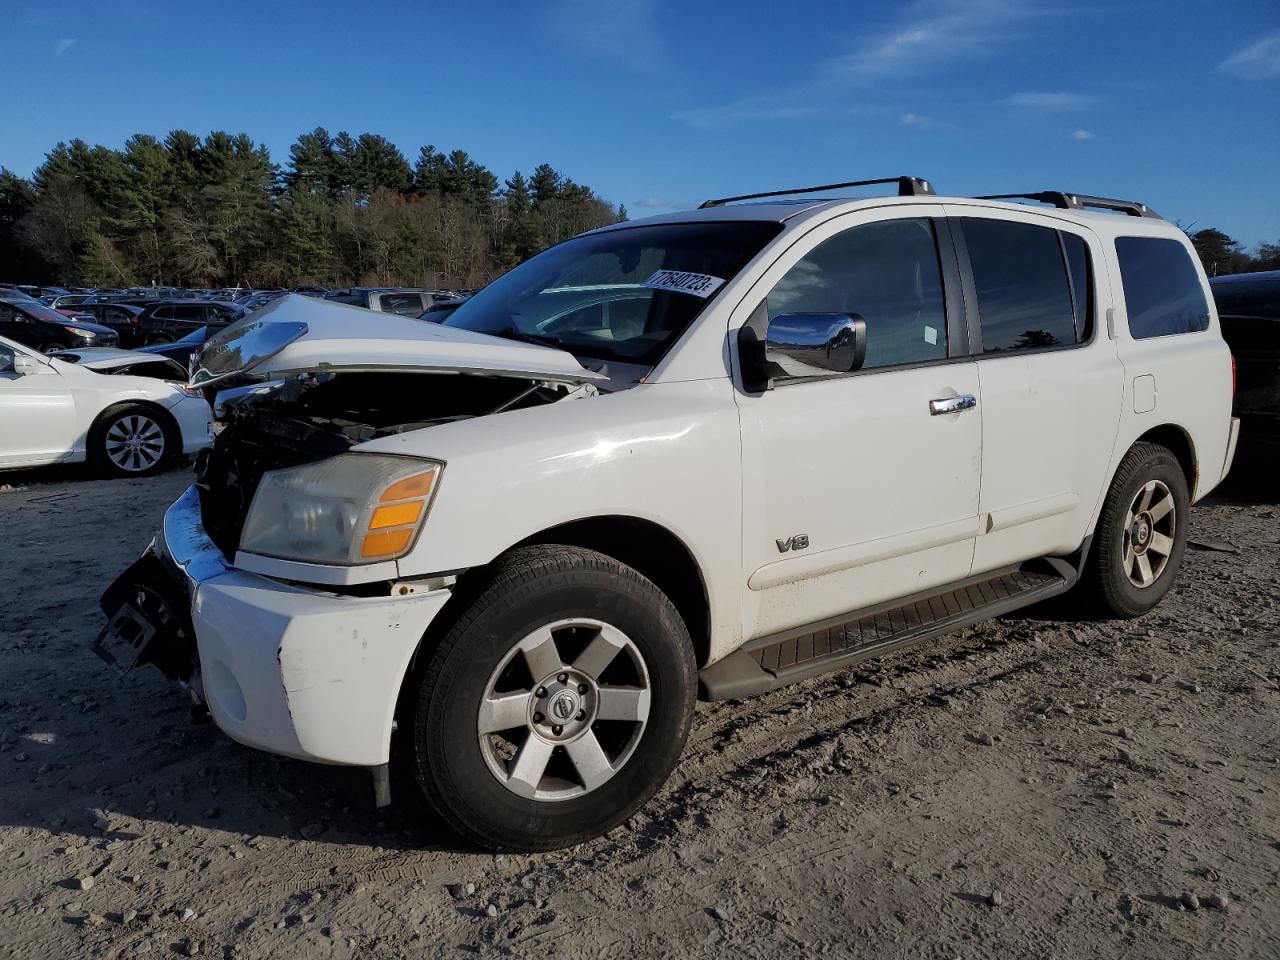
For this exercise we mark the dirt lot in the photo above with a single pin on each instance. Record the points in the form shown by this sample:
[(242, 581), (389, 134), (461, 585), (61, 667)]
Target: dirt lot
[(1027, 788)]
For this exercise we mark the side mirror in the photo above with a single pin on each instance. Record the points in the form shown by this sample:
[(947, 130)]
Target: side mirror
[(24, 365), (801, 345)]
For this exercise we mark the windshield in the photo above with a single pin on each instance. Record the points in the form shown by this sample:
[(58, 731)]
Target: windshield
[(622, 295)]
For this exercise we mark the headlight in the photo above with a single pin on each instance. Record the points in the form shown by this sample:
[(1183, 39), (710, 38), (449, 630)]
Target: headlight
[(351, 509), (80, 332)]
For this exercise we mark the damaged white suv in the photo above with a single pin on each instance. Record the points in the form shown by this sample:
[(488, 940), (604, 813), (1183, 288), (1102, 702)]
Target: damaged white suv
[(713, 452)]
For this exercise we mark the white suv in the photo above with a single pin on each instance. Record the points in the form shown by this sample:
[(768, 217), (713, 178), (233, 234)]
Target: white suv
[(707, 453)]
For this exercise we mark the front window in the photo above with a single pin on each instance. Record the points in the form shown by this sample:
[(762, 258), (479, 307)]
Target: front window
[(622, 295)]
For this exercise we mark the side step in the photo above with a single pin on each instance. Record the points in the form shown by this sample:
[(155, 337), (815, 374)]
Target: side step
[(769, 662)]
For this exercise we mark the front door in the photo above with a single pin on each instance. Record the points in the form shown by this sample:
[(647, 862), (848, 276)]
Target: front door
[(37, 412), (856, 489)]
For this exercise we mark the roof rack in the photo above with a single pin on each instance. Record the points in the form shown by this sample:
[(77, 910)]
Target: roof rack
[(907, 187), (1079, 201)]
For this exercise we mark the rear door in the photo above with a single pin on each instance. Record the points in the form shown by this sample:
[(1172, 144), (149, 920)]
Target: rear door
[(855, 491), (1050, 379)]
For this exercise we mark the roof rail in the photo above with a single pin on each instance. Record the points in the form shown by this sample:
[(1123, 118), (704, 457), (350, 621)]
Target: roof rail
[(1079, 201), (907, 187)]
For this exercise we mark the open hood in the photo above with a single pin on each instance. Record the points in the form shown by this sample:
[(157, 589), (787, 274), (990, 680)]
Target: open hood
[(298, 334)]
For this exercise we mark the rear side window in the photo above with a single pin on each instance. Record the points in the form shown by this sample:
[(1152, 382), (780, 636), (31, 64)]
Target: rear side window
[(888, 274), (1022, 284), (1162, 291)]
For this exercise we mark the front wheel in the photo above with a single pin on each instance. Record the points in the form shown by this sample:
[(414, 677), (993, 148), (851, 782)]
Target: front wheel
[(556, 704), (1141, 534), (132, 440)]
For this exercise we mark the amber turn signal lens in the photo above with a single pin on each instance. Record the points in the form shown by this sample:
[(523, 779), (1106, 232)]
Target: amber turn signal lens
[(395, 515), (388, 543), (419, 485)]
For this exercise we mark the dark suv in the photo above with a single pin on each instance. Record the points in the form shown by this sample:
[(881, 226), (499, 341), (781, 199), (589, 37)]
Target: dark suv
[(171, 320), (120, 317), (1249, 311)]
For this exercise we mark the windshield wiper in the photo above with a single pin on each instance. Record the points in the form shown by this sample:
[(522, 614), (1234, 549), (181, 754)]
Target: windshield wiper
[(542, 339)]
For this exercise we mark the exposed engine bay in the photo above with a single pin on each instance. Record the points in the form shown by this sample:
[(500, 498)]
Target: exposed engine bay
[(315, 416)]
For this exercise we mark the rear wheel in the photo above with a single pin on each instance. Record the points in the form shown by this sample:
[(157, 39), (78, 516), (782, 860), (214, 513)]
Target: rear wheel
[(556, 704), (132, 441), (1141, 534)]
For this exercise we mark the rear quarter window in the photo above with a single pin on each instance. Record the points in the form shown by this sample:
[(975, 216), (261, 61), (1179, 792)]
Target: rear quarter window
[(1162, 291)]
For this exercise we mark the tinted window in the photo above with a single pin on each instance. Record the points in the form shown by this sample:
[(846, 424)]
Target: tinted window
[(6, 359), (888, 274), (162, 313), (1081, 283), (1162, 291), (1020, 277)]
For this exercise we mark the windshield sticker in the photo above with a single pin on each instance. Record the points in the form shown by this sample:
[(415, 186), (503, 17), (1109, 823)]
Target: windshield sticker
[(698, 284)]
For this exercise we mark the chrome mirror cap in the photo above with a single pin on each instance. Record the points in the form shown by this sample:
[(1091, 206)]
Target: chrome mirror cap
[(816, 344)]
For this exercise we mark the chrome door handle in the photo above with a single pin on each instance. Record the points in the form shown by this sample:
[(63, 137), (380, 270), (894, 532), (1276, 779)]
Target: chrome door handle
[(966, 401)]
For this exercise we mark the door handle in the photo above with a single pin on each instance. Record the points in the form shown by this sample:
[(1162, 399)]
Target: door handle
[(966, 401)]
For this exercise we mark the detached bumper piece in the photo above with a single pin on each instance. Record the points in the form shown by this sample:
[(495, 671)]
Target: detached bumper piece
[(148, 621)]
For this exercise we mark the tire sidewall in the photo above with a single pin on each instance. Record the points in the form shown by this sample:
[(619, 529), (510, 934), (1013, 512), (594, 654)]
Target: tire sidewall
[(1158, 466), (446, 741)]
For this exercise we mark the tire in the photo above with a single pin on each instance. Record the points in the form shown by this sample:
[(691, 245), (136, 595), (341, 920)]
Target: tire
[(489, 786), (132, 440), (1115, 575)]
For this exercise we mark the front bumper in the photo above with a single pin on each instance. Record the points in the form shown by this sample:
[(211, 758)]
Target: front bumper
[(290, 669)]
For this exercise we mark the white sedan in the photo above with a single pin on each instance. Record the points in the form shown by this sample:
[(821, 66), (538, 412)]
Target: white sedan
[(129, 413)]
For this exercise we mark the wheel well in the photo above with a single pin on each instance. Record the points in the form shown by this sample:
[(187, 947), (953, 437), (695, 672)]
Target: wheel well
[(653, 551), (1176, 441)]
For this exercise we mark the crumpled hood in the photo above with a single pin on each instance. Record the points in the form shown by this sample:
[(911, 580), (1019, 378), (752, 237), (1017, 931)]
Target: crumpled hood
[(298, 334)]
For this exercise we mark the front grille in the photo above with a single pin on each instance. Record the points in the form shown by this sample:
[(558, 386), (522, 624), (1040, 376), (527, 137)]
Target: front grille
[(248, 446)]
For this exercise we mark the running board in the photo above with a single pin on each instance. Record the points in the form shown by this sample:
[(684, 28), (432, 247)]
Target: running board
[(770, 662)]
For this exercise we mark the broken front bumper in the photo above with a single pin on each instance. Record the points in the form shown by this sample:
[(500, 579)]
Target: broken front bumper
[(284, 668)]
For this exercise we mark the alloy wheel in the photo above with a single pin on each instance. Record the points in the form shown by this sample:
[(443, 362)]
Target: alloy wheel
[(564, 710), (135, 443), (1149, 529)]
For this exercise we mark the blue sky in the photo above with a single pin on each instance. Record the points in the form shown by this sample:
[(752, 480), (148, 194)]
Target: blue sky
[(659, 104)]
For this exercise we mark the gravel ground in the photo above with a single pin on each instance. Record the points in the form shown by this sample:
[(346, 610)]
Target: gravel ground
[(1032, 787)]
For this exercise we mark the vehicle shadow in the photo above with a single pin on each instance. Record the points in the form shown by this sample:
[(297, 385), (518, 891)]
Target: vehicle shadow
[(124, 761)]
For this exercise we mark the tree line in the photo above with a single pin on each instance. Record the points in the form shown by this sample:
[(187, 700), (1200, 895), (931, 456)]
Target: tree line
[(216, 211), (1221, 255)]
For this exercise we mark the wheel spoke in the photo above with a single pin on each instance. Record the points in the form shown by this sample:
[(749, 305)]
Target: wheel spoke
[(1162, 508), (1144, 569), (623, 703), (540, 654), (529, 765), (1128, 557), (589, 760), (1160, 544), (505, 711), (600, 652), (1148, 492)]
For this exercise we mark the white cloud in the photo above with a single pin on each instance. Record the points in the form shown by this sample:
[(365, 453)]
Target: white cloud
[(934, 33), (1049, 101), (1083, 134), (919, 120), (63, 45), (922, 36), (1256, 60), (618, 32)]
